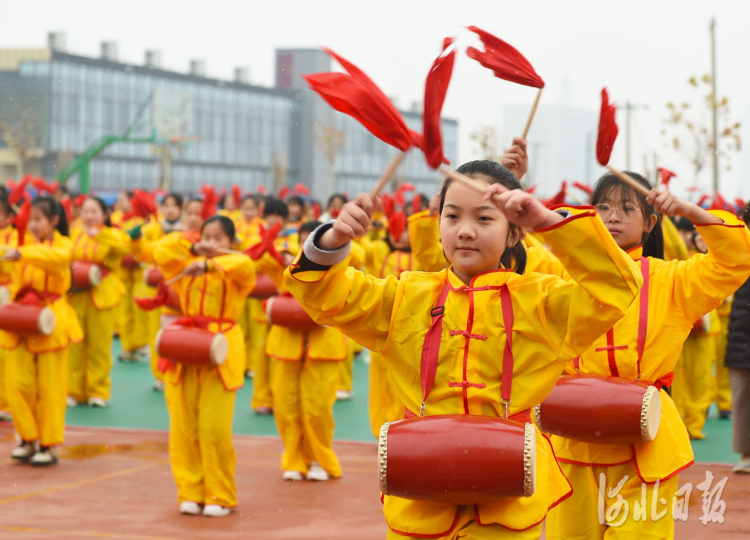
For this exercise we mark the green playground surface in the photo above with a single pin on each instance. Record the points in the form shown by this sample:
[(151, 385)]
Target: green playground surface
[(136, 405)]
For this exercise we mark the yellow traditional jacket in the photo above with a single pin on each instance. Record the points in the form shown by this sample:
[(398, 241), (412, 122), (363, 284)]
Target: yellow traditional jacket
[(8, 238), (143, 250), (45, 267), (131, 277), (427, 248), (382, 261), (106, 248), (249, 230), (216, 297), (554, 321), (679, 293)]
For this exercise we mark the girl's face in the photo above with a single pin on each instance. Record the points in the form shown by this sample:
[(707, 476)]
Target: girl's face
[(295, 211), (474, 232), (624, 219), (170, 210), (215, 235), (273, 219), (123, 203), (402, 242), (91, 214), (193, 219), (249, 209), (40, 226), (229, 203)]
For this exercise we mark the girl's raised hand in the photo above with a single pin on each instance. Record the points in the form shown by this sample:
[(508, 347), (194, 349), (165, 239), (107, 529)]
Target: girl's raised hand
[(521, 208), (196, 268), (667, 203), (353, 221)]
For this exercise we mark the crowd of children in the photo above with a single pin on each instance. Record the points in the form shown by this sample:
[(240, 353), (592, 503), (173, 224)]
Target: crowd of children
[(562, 288)]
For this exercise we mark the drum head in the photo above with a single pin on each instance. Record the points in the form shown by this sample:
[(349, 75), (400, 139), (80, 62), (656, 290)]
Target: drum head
[(158, 339), (4, 295), (383, 458), (219, 349), (269, 302), (529, 461), (95, 275), (650, 414), (46, 322)]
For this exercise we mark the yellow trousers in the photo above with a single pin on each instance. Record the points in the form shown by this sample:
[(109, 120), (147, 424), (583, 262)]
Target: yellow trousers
[(586, 515), (467, 528), (3, 390), (200, 437), (91, 359), (346, 369), (303, 395), (133, 322), (693, 388), (263, 366), (384, 405), (37, 387), (723, 396)]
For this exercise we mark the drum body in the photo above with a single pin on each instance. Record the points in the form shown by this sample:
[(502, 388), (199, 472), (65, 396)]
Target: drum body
[(599, 409), (286, 311), (459, 459), (27, 319), (153, 276), (264, 287), (84, 276), (129, 262), (191, 345)]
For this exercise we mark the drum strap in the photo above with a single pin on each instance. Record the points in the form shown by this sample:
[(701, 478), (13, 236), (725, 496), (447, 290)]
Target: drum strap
[(431, 348), (642, 317), (203, 322)]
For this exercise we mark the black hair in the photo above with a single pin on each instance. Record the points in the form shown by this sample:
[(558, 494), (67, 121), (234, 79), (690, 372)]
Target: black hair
[(275, 207), (226, 224), (337, 196), (50, 207), (684, 224), (652, 241), (105, 209), (5, 205), (193, 199), (309, 226), (295, 200), (177, 197), (494, 173)]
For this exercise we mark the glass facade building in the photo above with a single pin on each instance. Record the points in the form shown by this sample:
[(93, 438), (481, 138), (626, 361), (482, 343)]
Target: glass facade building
[(242, 133)]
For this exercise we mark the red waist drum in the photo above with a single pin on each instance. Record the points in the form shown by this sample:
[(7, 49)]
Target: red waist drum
[(84, 276), (27, 319), (458, 459), (599, 409), (191, 345), (129, 262), (153, 276), (286, 311), (264, 287)]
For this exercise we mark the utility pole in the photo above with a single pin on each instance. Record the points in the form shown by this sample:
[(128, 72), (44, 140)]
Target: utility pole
[(715, 100), (628, 108)]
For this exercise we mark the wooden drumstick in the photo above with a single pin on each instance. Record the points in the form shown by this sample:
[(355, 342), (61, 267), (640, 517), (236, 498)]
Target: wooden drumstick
[(392, 166), (531, 115), (175, 279), (629, 181), (460, 177), (230, 251)]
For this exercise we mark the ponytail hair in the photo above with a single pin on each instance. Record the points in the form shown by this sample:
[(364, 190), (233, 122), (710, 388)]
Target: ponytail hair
[(492, 172), (51, 208)]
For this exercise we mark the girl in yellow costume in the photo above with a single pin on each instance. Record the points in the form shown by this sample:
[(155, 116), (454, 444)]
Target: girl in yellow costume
[(200, 398), (37, 366), (304, 388), (145, 239), (8, 239), (554, 321), (678, 293), (91, 361)]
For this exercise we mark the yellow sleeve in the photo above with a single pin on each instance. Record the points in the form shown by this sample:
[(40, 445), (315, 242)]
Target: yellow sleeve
[(238, 268), (144, 247), (605, 281), (54, 259), (674, 245), (542, 261), (172, 255), (357, 257), (358, 304), (703, 282), (426, 246), (115, 239)]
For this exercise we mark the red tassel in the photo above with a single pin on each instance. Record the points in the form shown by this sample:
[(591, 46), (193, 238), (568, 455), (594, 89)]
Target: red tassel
[(435, 89), (237, 195), (397, 224), (665, 176), (21, 220), (210, 201), (607, 130), (18, 191), (301, 189), (504, 60)]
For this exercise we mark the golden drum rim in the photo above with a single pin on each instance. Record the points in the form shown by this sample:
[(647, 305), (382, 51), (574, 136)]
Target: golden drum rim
[(536, 414), (648, 400), (529, 461), (383, 458)]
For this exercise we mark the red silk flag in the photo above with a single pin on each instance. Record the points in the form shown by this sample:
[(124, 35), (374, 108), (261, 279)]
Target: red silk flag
[(584, 187), (142, 203), (18, 191), (504, 60), (665, 176), (301, 189), (435, 89), (607, 130), (21, 220), (237, 195), (41, 185), (558, 198), (209, 201), (355, 94)]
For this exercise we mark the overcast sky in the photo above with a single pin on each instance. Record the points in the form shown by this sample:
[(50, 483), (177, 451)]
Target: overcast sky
[(643, 51)]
